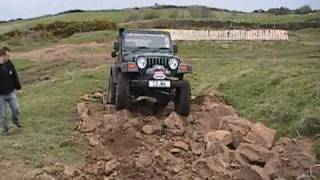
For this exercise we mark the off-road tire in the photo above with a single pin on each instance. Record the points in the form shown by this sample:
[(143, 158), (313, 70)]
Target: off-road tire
[(111, 94), (183, 99), (122, 92)]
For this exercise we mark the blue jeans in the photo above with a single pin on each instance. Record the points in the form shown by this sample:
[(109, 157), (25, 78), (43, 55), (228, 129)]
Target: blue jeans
[(12, 100)]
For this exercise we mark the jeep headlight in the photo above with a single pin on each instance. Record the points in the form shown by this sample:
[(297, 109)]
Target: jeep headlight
[(142, 62), (173, 63)]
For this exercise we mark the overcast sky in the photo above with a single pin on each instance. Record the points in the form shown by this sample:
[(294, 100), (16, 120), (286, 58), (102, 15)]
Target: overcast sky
[(11, 9)]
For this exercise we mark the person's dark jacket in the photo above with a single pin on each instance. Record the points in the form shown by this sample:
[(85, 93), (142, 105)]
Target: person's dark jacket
[(9, 80)]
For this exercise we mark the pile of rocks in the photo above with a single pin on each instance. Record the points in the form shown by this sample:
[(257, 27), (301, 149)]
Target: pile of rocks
[(212, 143)]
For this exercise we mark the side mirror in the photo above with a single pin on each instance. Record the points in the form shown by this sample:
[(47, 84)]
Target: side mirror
[(114, 54), (116, 46), (175, 49)]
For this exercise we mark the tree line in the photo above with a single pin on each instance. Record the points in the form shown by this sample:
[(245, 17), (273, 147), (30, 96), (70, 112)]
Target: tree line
[(306, 9)]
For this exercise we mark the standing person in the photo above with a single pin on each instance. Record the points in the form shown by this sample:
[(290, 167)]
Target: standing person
[(9, 83)]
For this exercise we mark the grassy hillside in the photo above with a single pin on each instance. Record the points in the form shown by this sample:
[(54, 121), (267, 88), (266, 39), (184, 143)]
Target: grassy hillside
[(125, 15), (274, 82)]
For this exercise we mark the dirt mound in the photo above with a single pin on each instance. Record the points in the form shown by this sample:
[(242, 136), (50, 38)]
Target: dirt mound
[(212, 143)]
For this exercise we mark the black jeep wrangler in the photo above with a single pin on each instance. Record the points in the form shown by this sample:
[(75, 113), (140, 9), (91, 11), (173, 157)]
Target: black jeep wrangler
[(147, 66)]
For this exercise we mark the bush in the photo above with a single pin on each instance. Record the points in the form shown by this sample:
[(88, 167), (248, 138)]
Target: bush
[(303, 10), (150, 15), (188, 24), (65, 29), (309, 127), (280, 11)]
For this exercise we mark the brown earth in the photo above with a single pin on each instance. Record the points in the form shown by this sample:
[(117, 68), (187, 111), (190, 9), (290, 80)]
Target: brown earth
[(48, 61), (212, 143)]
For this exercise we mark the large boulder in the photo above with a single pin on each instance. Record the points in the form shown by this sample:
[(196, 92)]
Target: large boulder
[(247, 154), (261, 135), (222, 136), (273, 168), (238, 126), (175, 124)]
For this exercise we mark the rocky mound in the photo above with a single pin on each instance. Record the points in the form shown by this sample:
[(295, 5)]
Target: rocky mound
[(212, 143)]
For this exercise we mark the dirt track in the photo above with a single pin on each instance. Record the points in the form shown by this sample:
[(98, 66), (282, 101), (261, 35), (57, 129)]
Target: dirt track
[(212, 143)]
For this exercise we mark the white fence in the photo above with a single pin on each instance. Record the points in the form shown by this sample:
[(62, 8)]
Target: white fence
[(228, 35)]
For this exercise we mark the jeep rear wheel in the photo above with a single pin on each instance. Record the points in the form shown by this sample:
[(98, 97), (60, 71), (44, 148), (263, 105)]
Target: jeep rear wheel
[(183, 99), (111, 94), (122, 92)]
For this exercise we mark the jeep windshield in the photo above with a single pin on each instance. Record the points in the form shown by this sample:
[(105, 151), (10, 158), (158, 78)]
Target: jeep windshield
[(146, 42)]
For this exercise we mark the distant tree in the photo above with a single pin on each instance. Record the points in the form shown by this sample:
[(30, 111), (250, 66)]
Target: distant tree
[(280, 11), (306, 9), (259, 11)]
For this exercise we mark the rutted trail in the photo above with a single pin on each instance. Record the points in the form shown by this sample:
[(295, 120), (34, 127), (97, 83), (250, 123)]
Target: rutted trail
[(212, 143)]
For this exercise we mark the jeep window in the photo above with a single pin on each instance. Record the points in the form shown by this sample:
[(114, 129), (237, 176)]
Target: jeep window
[(136, 41)]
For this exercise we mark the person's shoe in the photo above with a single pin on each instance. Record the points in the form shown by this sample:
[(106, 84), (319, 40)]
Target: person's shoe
[(5, 133), (17, 124)]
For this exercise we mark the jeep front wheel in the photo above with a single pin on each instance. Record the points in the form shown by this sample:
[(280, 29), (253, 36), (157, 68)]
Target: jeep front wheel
[(122, 92), (183, 99)]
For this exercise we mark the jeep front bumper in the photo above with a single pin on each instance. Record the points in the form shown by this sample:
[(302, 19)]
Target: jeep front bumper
[(145, 83)]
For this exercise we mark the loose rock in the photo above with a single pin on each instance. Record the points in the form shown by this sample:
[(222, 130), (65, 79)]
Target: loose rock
[(224, 137), (261, 135), (174, 123), (253, 154), (181, 145), (148, 129)]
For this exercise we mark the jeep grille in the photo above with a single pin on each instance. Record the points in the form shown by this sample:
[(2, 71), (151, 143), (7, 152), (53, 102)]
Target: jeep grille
[(157, 61)]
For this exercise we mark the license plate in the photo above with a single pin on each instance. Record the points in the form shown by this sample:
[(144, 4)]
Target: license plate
[(159, 84)]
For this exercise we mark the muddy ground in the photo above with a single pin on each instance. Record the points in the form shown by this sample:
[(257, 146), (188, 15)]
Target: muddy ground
[(212, 143)]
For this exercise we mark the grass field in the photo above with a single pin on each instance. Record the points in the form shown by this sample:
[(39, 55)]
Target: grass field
[(47, 109), (274, 82)]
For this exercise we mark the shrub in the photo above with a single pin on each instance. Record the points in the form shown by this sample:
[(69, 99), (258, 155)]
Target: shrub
[(280, 11), (310, 126), (64, 29), (303, 10)]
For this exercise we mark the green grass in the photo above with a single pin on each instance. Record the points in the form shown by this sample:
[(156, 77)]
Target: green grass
[(121, 16), (274, 82), (47, 116), (22, 64), (98, 36)]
